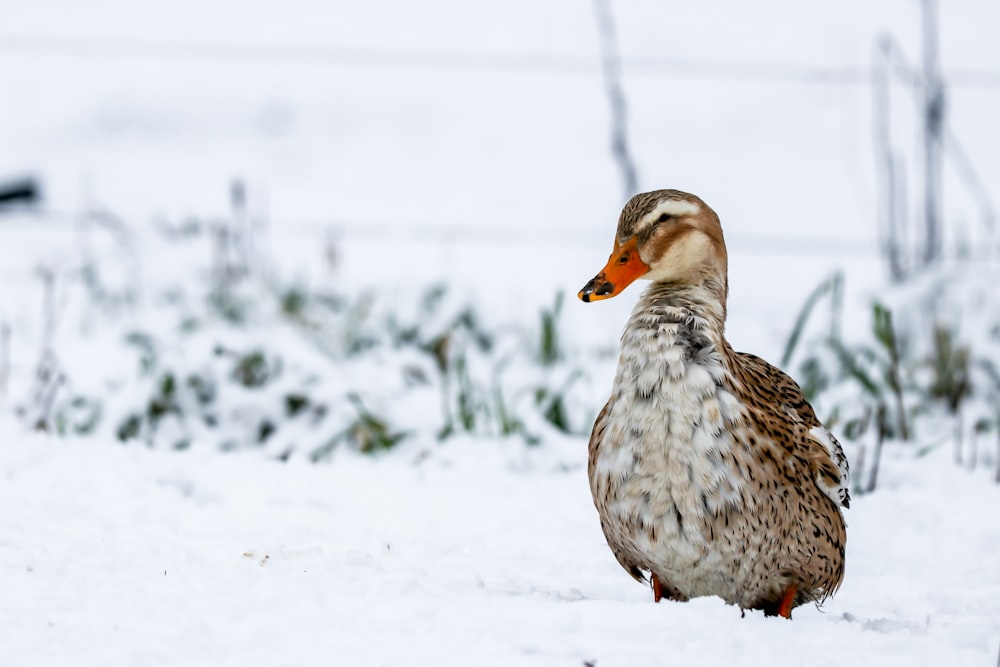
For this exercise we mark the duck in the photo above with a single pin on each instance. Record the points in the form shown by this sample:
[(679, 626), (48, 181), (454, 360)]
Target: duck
[(709, 469)]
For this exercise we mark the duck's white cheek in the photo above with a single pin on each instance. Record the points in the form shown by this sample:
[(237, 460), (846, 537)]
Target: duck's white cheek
[(682, 258)]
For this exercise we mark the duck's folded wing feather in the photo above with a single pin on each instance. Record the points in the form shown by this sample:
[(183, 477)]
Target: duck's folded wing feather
[(821, 448)]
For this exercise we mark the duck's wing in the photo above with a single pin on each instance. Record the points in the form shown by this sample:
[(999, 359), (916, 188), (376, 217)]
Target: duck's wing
[(810, 438)]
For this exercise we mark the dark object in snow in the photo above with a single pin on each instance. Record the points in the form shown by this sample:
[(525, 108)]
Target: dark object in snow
[(22, 192)]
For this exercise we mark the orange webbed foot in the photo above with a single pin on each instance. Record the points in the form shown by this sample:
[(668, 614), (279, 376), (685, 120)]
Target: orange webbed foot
[(787, 602), (663, 590), (657, 588)]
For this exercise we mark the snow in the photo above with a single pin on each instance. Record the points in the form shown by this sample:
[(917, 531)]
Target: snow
[(477, 552), (416, 166)]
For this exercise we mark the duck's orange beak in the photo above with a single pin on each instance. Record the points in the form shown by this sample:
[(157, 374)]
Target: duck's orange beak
[(623, 268)]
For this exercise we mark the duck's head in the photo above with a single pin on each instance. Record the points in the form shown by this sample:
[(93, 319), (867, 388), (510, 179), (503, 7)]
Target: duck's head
[(665, 236)]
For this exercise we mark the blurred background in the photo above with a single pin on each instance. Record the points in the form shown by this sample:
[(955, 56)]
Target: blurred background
[(421, 188), (448, 123)]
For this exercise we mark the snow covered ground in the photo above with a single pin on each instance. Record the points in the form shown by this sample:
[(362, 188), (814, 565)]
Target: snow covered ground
[(478, 552), (402, 136)]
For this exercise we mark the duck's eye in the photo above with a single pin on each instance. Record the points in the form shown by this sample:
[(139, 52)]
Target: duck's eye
[(663, 217)]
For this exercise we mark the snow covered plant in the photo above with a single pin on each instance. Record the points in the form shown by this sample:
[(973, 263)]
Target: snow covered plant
[(386, 370), (924, 371), (229, 354), (490, 381)]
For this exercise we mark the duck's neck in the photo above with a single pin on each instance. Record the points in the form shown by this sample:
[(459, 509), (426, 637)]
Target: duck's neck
[(673, 329), (673, 353), (701, 306)]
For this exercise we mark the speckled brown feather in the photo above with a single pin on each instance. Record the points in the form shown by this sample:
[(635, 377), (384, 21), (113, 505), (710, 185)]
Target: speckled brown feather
[(708, 467)]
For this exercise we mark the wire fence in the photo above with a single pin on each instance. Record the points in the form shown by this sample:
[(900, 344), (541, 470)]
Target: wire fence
[(306, 55), (459, 61), (459, 233)]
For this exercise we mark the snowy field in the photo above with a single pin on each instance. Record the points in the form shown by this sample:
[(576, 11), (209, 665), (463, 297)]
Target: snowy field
[(387, 147), (481, 553)]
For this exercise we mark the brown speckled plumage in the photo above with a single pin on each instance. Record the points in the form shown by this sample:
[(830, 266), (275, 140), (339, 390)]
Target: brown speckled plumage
[(708, 467)]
